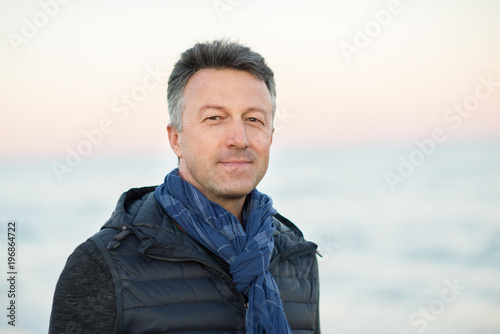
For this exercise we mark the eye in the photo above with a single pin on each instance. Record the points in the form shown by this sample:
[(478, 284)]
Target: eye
[(254, 120), (213, 118)]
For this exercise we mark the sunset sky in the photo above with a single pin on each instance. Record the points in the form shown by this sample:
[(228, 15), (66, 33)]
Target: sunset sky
[(348, 72)]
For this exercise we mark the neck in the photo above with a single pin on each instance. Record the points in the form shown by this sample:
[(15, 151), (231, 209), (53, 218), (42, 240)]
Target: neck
[(234, 206)]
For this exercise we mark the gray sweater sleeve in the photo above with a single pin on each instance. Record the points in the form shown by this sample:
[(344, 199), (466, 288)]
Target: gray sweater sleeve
[(84, 298)]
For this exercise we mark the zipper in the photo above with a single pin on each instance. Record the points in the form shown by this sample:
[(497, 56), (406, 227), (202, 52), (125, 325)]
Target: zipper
[(227, 277)]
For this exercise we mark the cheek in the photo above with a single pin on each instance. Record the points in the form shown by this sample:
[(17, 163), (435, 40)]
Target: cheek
[(198, 149), (262, 141)]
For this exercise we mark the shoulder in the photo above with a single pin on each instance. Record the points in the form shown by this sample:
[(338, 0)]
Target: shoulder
[(284, 225), (289, 240), (83, 269), (84, 294), (86, 256)]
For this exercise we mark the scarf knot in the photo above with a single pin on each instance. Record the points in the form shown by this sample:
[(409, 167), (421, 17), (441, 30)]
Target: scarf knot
[(247, 251)]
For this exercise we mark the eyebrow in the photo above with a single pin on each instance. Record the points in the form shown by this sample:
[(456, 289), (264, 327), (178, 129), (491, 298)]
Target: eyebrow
[(211, 106), (219, 107)]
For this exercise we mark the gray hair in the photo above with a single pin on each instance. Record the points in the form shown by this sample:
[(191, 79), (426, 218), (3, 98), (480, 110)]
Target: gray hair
[(219, 54)]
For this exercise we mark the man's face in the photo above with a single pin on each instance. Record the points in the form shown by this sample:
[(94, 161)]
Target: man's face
[(227, 131)]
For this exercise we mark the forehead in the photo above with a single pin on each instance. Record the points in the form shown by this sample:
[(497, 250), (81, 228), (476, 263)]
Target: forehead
[(226, 87)]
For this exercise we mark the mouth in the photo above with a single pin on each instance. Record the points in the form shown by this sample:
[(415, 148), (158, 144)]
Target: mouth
[(235, 163)]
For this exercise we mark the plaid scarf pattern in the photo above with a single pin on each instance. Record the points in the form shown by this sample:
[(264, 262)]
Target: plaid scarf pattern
[(247, 251)]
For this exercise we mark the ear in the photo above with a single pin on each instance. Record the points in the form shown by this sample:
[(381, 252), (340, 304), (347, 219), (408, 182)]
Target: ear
[(175, 140), (272, 135)]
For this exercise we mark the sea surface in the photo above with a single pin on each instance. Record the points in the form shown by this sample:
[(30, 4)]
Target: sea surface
[(420, 256)]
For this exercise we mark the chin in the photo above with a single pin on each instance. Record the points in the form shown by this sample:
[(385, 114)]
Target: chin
[(236, 192)]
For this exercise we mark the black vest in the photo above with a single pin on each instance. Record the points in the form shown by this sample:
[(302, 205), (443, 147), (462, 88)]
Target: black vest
[(166, 282)]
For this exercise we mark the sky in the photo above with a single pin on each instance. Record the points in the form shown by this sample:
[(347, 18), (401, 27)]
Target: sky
[(347, 72)]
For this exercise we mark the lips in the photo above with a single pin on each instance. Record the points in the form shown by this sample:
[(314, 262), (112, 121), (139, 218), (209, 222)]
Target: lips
[(235, 163), (230, 159)]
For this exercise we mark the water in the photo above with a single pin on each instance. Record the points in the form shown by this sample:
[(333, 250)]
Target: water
[(422, 258)]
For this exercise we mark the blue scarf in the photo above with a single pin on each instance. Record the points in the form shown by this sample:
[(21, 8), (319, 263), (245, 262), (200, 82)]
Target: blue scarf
[(247, 252)]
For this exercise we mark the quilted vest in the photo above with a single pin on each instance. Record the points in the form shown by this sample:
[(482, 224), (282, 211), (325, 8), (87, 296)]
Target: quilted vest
[(166, 282)]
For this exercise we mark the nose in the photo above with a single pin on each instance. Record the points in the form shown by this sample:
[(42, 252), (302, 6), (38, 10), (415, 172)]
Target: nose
[(236, 135)]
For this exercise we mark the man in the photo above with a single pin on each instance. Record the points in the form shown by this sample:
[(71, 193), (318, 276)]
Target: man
[(204, 252)]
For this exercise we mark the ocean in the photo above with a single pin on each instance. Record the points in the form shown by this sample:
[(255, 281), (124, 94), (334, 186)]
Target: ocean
[(410, 242)]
